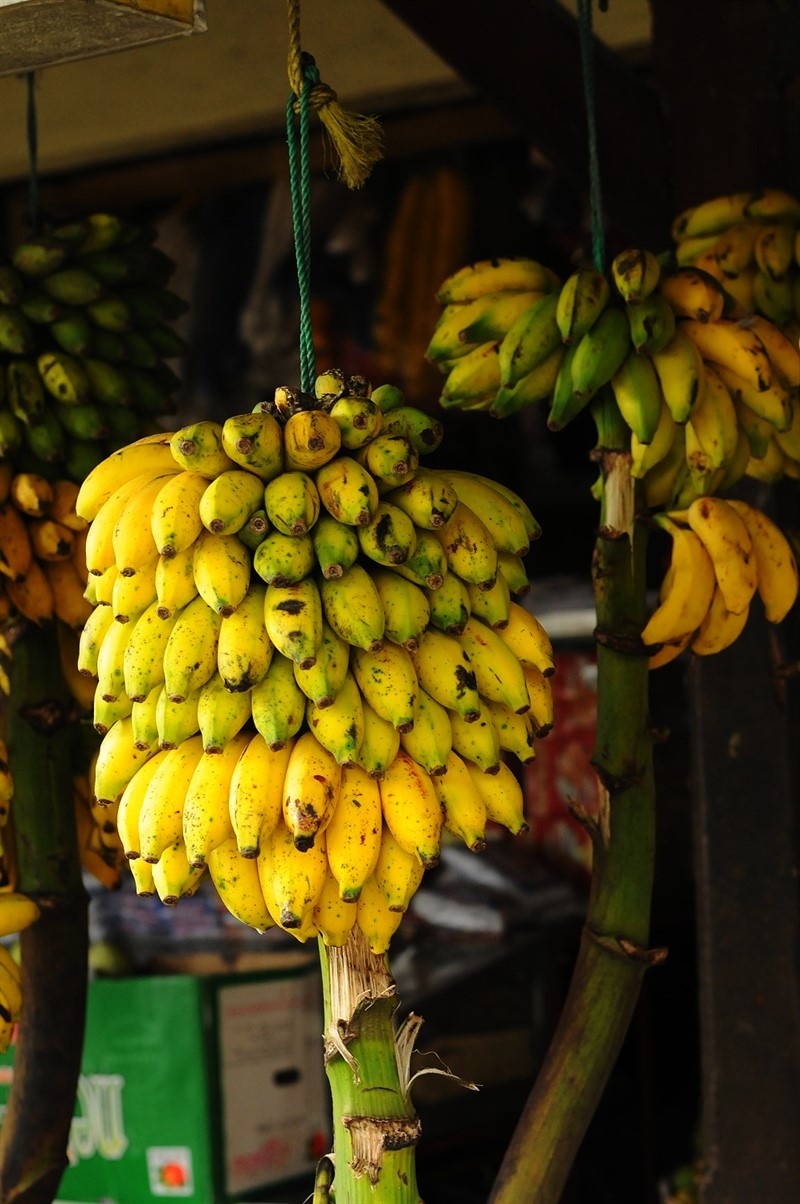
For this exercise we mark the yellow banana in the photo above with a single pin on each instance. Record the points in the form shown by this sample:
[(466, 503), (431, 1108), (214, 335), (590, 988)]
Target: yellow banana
[(397, 872), (292, 503), (389, 537), (729, 544), (161, 812), (540, 694), (352, 607), (776, 566), (491, 605), (244, 651), (144, 721), (236, 880), (293, 617), (411, 809), (322, 682), (712, 430), (504, 274), (375, 918), (221, 714), (463, 808), (331, 915), (292, 878), (117, 761), (206, 815), (176, 721), (228, 501), (469, 548), (692, 293), (173, 877), (719, 628), (174, 581), (478, 741), (221, 566), (310, 789), (428, 498), (450, 604), (254, 441), (17, 912), (105, 713), (515, 732), (502, 796), (278, 704), (150, 455), (130, 805), (380, 745), (310, 439), (190, 656), (528, 639), (198, 447), (679, 367), (91, 638), (284, 559), (99, 549), (444, 669), (636, 274), (347, 490), (335, 545), (734, 346), (430, 739), (110, 660), (255, 796), (143, 656), (353, 834), (498, 673), (582, 299), (406, 610), (388, 682), (132, 537), (175, 521), (427, 564), (131, 596), (507, 517), (710, 217), (691, 587)]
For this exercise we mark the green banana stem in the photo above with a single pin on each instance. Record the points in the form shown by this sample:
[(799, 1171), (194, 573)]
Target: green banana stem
[(613, 953), (41, 1103), (375, 1128)]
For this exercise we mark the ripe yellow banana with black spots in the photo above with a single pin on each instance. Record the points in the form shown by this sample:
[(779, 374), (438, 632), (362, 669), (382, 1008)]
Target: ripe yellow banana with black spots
[(173, 877), (734, 346), (335, 545), (489, 498), (284, 559), (310, 439), (719, 628), (427, 564), (679, 367), (311, 787), (389, 537), (502, 796), (117, 761), (428, 499), (131, 596), (91, 639), (450, 604), (293, 617), (515, 733), (290, 877), (347, 490), (244, 650), (174, 582), (388, 682), (693, 293), (636, 274), (375, 918), (581, 301), (17, 912), (498, 672), (478, 741), (528, 639), (331, 915), (254, 441), (143, 656), (491, 605), (444, 669), (504, 274), (470, 550)]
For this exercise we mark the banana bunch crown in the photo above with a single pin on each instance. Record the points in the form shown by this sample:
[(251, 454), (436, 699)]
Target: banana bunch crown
[(316, 644)]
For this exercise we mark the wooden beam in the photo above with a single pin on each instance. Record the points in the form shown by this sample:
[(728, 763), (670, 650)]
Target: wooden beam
[(524, 57)]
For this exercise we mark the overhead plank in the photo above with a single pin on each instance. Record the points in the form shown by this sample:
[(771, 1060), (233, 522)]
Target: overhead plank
[(529, 65)]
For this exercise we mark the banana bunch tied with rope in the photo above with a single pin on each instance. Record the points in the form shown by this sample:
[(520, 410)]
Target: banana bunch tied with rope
[(85, 343), (309, 655), (750, 243)]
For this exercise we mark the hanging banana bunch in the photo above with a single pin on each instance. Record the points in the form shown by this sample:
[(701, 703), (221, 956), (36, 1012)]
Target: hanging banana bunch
[(309, 657)]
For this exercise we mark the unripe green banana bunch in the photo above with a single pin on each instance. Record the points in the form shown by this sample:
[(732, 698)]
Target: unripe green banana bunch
[(85, 340), (310, 657), (750, 243), (723, 554)]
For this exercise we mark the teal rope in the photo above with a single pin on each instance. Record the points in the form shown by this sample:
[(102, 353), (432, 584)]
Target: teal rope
[(595, 194), (33, 151), (300, 185)]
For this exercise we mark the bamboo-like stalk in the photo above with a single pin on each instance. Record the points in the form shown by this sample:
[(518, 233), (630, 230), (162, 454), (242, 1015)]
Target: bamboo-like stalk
[(613, 953), (41, 1104), (375, 1128)]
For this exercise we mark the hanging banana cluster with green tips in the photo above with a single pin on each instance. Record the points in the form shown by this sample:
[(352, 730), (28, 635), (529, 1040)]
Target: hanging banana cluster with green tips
[(85, 337), (310, 657)]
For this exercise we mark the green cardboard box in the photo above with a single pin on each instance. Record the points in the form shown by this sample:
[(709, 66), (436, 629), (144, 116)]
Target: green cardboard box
[(203, 1089)]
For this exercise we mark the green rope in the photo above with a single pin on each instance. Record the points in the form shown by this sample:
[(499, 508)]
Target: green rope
[(300, 184), (595, 195), (33, 148)]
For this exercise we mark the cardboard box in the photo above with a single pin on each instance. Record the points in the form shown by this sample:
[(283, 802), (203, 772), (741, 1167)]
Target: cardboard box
[(202, 1089)]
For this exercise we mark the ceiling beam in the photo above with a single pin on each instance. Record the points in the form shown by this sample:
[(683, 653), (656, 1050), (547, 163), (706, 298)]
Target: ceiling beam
[(524, 56)]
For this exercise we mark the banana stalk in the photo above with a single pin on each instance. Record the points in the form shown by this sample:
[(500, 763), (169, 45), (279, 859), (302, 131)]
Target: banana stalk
[(613, 953), (41, 735), (375, 1128)]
